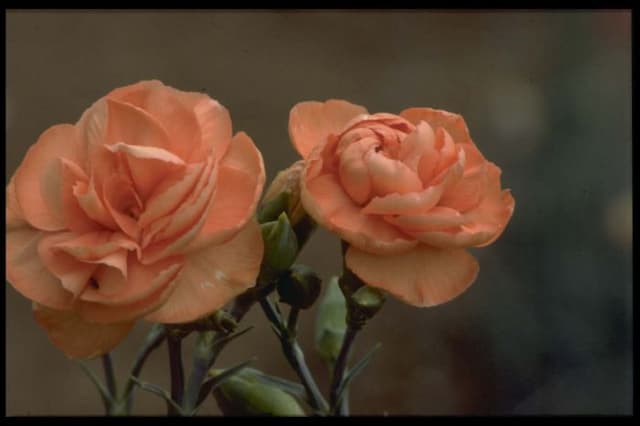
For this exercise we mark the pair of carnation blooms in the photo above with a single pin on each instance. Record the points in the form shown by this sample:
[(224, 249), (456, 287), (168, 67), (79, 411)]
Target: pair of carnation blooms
[(145, 208)]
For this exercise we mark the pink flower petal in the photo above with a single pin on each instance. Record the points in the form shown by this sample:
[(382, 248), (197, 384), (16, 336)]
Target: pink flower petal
[(27, 273), (14, 215), (73, 273), (76, 338), (354, 173), (148, 165), (147, 288), (172, 233), (483, 223), (423, 276), (170, 193), (212, 276), (239, 186), (420, 201), (134, 126), (325, 200), (468, 191), (390, 176), (215, 127), (435, 219), (454, 124), (92, 205), (418, 145), (123, 204), (33, 179), (74, 217), (310, 123)]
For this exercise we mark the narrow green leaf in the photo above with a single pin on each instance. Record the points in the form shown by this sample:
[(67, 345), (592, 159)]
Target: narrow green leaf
[(352, 373), (157, 390), (228, 338)]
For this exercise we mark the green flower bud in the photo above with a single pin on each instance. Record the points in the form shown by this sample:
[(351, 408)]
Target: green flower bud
[(300, 287), (270, 210), (363, 304), (283, 195), (244, 394), (331, 322), (280, 243)]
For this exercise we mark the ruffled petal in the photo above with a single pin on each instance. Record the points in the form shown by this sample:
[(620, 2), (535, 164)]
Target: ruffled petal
[(418, 144), (325, 200), (354, 173), (454, 124), (37, 180), (434, 219), (390, 176), (134, 126), (212, 276), (148, 165), (92, 205), (215, 127), (100, 247), (164, 103), (468, 191), (14, 215), (422, 277), (76, 338), (406, 204), (146, 288), (170, 193), (195, 123), (173, 233), (123, 204), (73, 273), (74, 217), (27, 273), (310, 123), (483, 224), (240, 183)]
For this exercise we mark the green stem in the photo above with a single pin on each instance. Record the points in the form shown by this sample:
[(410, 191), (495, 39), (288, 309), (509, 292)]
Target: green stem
[(201, 357), (295, 356), (109, 377), (241, 306), (154, 339), (339, 369), (174, 345), (292, 322)]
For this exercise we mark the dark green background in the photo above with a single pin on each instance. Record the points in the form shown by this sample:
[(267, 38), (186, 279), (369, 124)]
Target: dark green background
[(547, 96)]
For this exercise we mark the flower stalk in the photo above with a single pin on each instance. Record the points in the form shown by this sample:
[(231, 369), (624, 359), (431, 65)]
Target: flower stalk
[(174, 344)]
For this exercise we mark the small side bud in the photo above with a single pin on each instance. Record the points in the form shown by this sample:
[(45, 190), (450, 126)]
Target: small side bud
[(283, 195), (243, 394), (331, 323), (300, 287), (363, 304), (280, 243)]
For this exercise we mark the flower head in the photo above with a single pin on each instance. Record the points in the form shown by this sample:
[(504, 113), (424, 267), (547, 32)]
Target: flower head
[(407, 192), (142, 209)]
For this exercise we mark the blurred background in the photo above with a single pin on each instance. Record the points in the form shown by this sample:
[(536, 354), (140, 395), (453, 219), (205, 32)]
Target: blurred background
[(545, 329)]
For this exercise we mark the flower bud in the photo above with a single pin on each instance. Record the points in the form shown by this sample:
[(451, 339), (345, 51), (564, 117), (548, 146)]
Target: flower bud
[(331, 322), (363, 304), (280, 243), (243, 394), (300, 287), (283, 195)]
